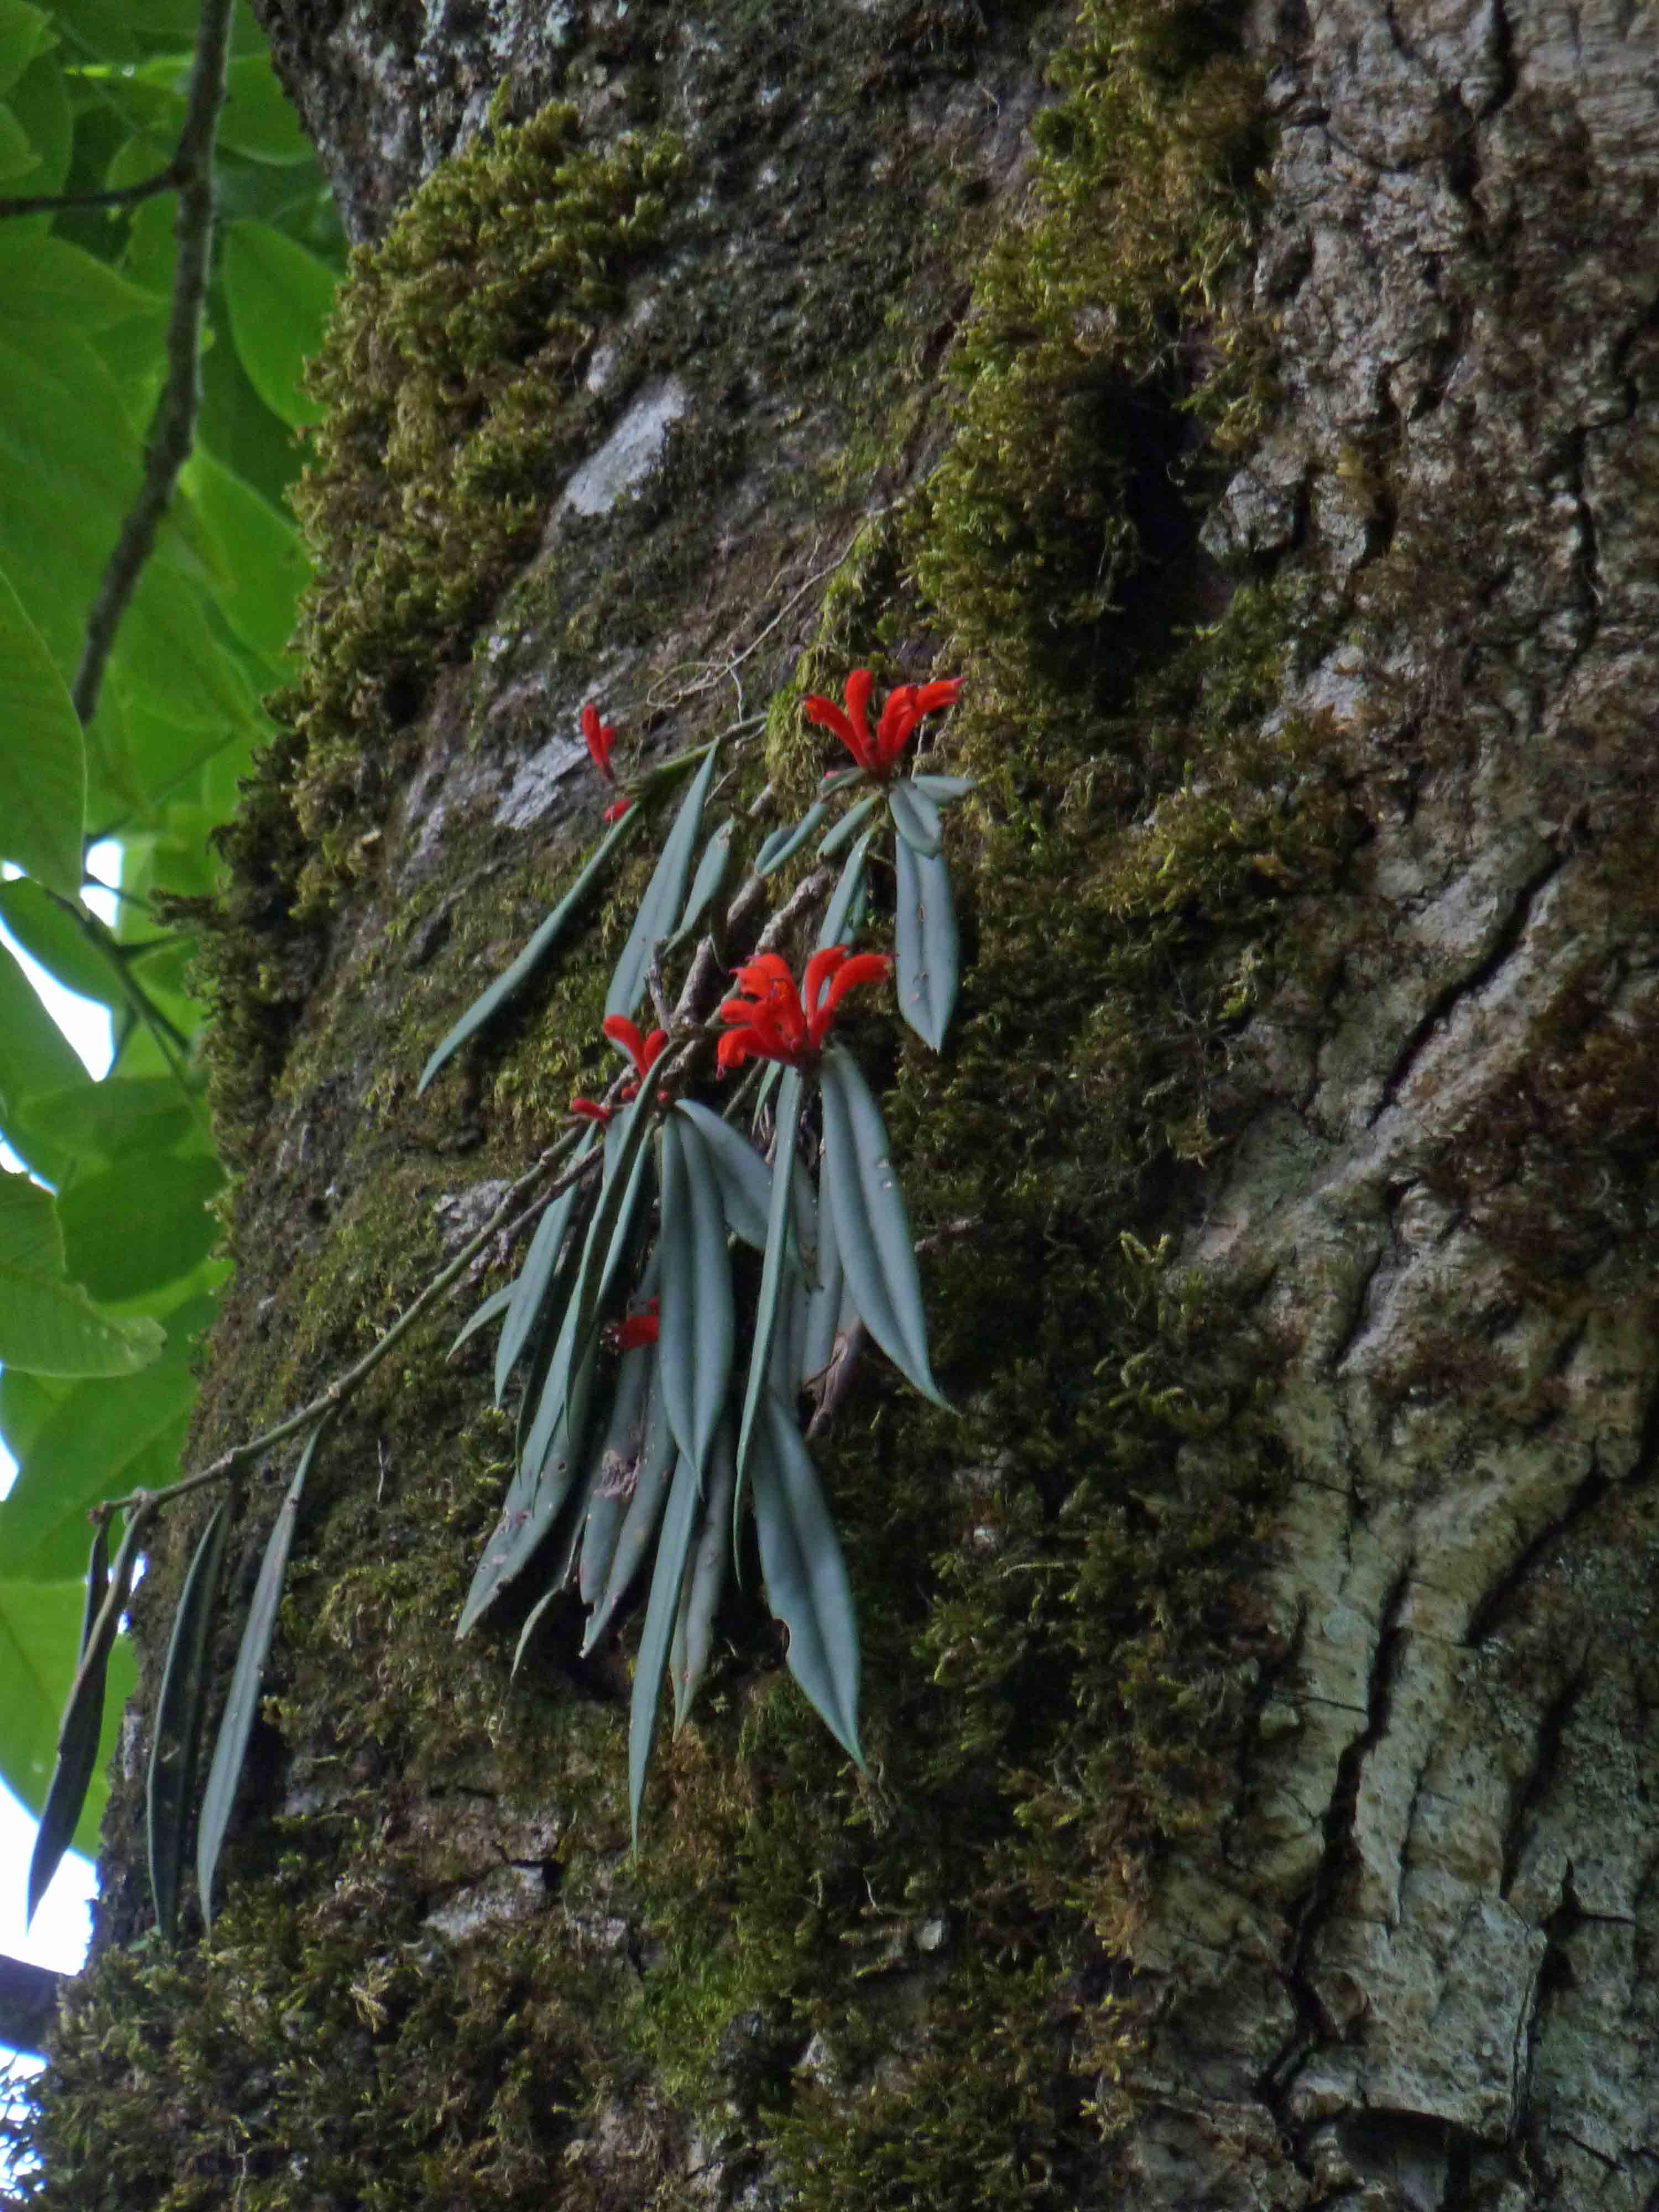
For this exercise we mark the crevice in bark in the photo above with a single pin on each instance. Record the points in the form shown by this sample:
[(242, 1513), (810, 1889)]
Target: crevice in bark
[(1588, 1493), (1508, 937), (1551, 1728)]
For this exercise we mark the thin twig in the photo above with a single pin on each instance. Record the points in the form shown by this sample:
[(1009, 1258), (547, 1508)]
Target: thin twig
[(172, 427), (329, 1400), (164, 180)]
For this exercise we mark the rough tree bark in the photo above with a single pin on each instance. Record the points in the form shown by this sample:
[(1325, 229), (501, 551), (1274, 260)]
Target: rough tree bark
[(1261, 1673)]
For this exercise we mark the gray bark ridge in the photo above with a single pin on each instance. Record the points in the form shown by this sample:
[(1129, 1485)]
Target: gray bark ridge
[(1428, 1947)]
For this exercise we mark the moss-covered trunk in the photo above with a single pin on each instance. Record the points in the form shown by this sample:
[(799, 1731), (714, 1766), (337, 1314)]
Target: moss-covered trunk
[(1262, 417)]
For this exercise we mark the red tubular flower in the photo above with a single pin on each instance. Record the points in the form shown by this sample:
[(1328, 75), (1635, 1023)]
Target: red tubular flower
[(644, 1052), (599, 736), (771, 1022), (589, 1110), (626, 1335), (616, 813), (877, 755)]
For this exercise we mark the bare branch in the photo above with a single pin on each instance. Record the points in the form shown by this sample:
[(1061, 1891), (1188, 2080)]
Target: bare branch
[(172, 427), (164, 180)]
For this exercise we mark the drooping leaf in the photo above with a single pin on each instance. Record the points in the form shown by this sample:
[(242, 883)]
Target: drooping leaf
[(848, 828), (746, 1181), (530, 1290), (60, 941), (46, 282), (942, 789), (116, 1119), (48, 1325), (873, 1230), (673, 1548), (698, 1321), (784, 843), (709, 880), (107, 1590), (845, 911), (925, 929), (43, 759), (547, 936), (24, 30), (915, 817), (38, 1057), (703, 1585), (242, 1705), (176, 1739), (490, 1309), (665, 895), (280, 298), (774, 1276), (826, 1303), (128, 1229), (805, 1575), (616, 1466), (263, 567), (629, 1540)]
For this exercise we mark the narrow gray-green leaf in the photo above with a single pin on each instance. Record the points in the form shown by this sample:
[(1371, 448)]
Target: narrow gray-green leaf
[(915, 817), (481, 1315), (848, 828), (176, 1738), (530, 1292), (664, 896), (925, 933), (783, 844), (643, 1489), (535, 1498), (704, 1583), (942, 789), (698, 1325), (77, 1737), (672, 1548), (746, 1181), (547, 936), (774, 1273), (242, 1705), (873, 1230), (824, 1312), (707, 883), (846, 908), (635, 1416), (805, 1575)]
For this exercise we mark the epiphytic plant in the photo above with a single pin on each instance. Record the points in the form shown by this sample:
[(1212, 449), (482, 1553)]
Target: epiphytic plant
[(642, 1434)]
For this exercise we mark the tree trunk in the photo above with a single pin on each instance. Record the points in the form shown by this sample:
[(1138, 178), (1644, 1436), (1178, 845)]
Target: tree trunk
[(1263, 417)]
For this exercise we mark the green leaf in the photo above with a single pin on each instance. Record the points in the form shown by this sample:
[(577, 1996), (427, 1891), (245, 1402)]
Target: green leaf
[(842, 916), (673, 1548), (280, 299), (915, 817), (773, 1272), (40, 100), (783, 844), (48, 284), (806, 1576), (706, 886), (130, 1228), (25, 1402), (530, 1292), (746, 1181), (83, 1729), (665, 895), (177, 1738), (698, 1323), (89, 1447), (110, 1120), (48, 1325), (24, 31), (38, 1057), (56, 939), (17, 153), (827, 1315), (546, 937), (703, 1585), (872, 1231), (39, 1628), (925, 930), (620, 1535), (256, 120), (481, 1315), (262, 568), (848, 828), (942, 789), (43, 760), (242, 1705)]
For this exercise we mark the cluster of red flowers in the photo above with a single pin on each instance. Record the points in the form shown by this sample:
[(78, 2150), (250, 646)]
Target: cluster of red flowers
[(878, 753), (773, 1021), (634, 1330)]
